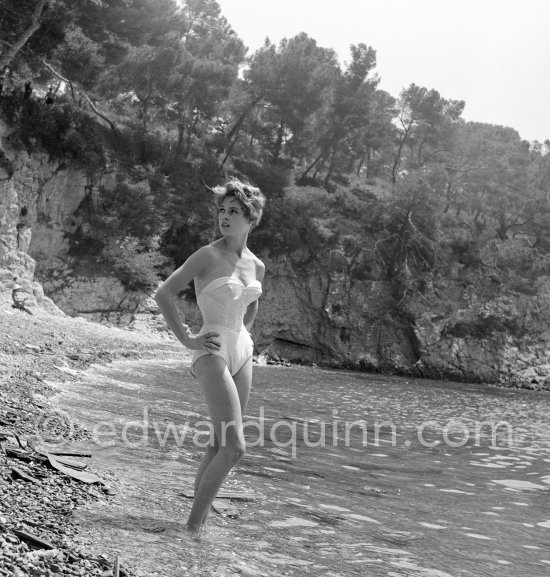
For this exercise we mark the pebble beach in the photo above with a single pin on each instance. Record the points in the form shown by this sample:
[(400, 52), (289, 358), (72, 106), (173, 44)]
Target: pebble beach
[(402, 504), (38, 534)]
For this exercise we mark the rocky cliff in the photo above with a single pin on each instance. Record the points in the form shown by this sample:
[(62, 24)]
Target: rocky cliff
[(305, 315), (37, 207), (325, 319)]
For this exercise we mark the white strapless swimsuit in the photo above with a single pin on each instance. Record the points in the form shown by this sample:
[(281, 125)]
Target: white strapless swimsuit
[(223, 303)]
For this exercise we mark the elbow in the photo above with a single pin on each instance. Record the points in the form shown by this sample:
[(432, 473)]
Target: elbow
[(160, 295), (157, 295)]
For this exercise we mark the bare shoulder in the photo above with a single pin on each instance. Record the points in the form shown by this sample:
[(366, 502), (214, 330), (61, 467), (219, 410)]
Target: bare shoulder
[(260, 267), (193, 267), (202, 259), (208, 252)]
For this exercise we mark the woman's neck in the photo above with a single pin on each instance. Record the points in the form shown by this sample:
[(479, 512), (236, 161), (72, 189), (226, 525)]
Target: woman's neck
[(234, 245)]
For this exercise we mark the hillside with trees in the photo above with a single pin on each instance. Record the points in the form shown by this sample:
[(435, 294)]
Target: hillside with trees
[(362, 184)]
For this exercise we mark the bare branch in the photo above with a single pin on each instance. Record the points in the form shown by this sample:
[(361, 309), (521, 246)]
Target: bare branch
[(8, 55), (85, 96)]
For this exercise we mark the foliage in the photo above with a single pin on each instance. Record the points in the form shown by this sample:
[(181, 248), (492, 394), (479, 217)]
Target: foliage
[(187, 208), (118, 231), (426, 124), (408, 246), (125, 211), (292, 83), (61, 130), (134, 266), (361, 184)]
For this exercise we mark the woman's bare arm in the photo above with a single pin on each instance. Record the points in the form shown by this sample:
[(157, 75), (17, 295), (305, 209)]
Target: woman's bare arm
[(252, 309), (172, 286), (250, 315)]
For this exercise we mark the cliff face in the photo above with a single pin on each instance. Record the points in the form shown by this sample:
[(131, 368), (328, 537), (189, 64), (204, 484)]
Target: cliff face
[(16, 264), (37, 207), (314, 316), (318, 319), (322, 319)]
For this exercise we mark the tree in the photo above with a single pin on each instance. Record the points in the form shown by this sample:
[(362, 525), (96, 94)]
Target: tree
[(488, 179), (79, 58), (178, 67), (425, 127), (373, 145), (10, 12), (282, 88), (347, 114), (295, 80), (209, 58), (408, 245)]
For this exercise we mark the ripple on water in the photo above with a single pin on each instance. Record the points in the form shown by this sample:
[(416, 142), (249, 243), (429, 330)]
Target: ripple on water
[(520, 484), (320, 515), (293, 522), (432, 525)]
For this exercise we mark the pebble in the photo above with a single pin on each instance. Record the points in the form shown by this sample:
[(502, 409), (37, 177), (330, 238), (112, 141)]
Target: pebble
[(40, 508), (35, 352)]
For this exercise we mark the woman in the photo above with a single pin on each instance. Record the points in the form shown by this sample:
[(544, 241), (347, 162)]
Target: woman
[(227, 280)]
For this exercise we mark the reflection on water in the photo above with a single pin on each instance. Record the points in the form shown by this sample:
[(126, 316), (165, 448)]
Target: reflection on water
[(362, 475)]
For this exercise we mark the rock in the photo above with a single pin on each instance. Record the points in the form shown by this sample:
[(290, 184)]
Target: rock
[(24, 235), (312, 316), (33, 348)]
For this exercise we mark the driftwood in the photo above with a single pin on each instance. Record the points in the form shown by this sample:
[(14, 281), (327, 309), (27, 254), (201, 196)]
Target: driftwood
[(33, 539)]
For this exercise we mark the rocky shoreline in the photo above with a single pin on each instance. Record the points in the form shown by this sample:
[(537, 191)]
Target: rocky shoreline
[(38, 494), (38, 536)]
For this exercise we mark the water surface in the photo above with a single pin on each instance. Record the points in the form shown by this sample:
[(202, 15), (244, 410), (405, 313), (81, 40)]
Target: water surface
[(412, 478)]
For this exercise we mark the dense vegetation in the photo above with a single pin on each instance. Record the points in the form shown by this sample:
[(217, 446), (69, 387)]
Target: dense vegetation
[(396, 188)]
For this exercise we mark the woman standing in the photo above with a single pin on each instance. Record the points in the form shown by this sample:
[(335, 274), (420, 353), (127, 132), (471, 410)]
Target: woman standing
[(227, 277)]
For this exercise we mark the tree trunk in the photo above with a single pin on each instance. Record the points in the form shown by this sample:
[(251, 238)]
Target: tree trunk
[(233, 134), (330, 169), (397, 161), (190, 131), (8, 55), (310, 167), (419, 159), (391, 269), (319, 167), (502, 229)]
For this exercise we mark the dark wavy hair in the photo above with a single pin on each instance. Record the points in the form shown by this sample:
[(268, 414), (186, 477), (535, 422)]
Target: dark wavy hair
[(250, 197)]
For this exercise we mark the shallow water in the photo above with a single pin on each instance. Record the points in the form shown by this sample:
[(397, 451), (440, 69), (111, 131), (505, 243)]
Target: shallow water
[(412, 478)]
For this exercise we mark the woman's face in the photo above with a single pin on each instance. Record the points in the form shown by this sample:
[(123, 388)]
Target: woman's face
[(231, 217)]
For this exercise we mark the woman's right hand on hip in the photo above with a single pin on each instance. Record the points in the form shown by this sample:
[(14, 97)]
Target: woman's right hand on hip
[(207, 341)]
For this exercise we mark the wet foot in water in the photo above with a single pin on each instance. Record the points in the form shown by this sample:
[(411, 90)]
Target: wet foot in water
[(193, 532)]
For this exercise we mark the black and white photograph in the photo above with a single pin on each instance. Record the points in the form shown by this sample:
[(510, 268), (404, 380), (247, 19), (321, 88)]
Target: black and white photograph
[(274, 288)]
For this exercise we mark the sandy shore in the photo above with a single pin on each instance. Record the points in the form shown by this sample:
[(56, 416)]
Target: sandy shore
[(37, 534)]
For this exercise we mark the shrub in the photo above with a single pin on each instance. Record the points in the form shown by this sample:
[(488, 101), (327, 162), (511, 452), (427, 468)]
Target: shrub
[(136, 267), (125, 211)]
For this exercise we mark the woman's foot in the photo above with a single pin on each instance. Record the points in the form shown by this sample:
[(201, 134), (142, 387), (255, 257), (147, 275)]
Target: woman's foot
[(194, 532)]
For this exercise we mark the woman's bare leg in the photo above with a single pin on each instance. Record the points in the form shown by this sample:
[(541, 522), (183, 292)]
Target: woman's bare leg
[(209, 454), (224, 406), (243, 382)]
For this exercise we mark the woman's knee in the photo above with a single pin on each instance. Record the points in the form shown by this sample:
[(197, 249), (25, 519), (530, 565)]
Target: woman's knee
[(233, 451)]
